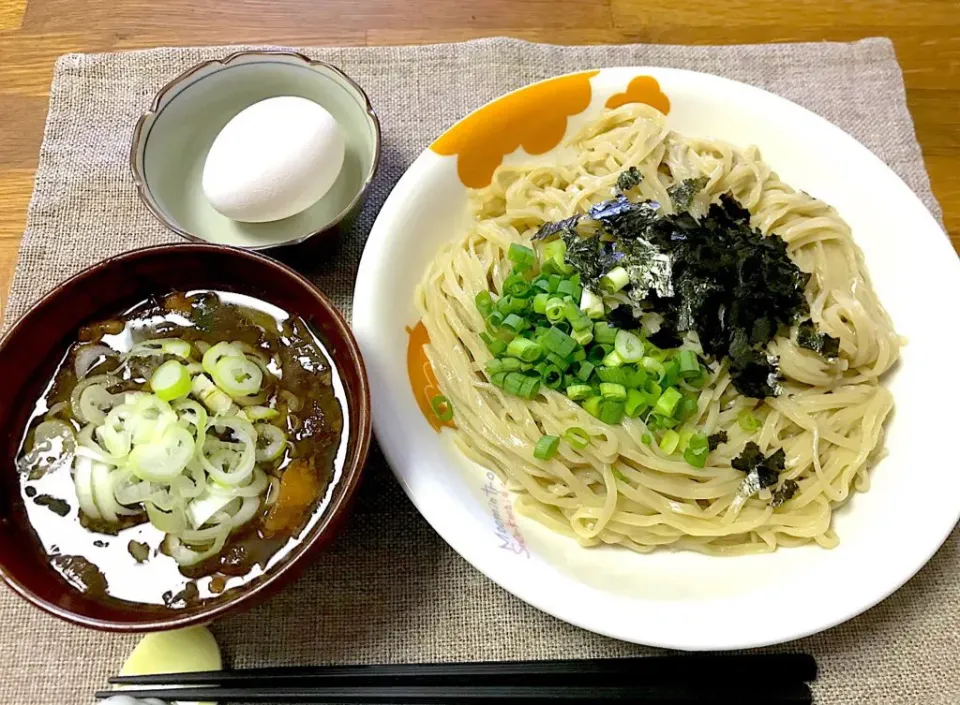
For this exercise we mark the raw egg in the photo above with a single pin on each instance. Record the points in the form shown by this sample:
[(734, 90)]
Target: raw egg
[(273, 160)]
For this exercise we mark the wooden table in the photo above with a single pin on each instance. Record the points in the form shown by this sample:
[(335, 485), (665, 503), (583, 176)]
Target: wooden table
[(34, 32)]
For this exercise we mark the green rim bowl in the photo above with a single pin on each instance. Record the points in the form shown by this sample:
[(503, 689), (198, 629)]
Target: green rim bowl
[(171, 141)]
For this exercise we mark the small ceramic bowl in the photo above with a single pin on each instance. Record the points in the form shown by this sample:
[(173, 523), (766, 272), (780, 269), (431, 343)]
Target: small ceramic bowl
[(35, 345), (171, 141)]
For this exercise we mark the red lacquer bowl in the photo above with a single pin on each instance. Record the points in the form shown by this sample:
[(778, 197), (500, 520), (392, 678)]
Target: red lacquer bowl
[(31, 349)]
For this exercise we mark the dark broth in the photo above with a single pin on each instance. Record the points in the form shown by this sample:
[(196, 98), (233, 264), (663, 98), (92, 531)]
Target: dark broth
[(124, 561)]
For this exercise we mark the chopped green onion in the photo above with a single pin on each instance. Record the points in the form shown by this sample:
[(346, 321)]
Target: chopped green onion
[(497, 347), (666, 421), (554, 250), (540, 303), (697, 450), (170, 381), (513, 383), (647, 438), (617, 375), (556, 341), (613, 359), (652, 389), (526, 350), (611, 412), (530, 388), (634, 378), (565, 288), (551, 376), (613, 392), (651, 364), (591, 304), (511, 364), (554, 309), (604, 333), (578, 319), (628, 346), (671, 373), (667, 403), (237, 376), (546, 447), (592, 406), (686, 409), (519, 254), (577, 437), (578, 392), (596, 353), (515, 285), (516, 304), (614, 280), (542, 283), (218, 352), (586, 369), (484, 303), (669, 441), (493, 366), (497, 379), (579, 355), (554, 281), (514, 322), (495, 319), (442, 408), (583, 337), (689, 365), (636, 403), (212, 397), (748, 422), (556, 361)]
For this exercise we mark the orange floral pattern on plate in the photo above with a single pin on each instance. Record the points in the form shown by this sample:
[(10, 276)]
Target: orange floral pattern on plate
[(534, 118), (423, 380), (642, 89)]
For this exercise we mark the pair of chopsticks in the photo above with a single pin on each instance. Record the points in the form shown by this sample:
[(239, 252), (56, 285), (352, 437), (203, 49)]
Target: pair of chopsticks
[(755, 679)]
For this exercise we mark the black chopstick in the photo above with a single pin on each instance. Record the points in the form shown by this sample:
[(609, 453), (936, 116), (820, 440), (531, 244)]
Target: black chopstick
[(753, 668), (737, 690)]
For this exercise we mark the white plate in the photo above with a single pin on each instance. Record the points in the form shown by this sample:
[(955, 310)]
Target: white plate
[(679, 599)]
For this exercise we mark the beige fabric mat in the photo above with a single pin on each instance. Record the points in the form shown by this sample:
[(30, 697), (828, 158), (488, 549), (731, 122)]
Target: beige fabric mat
[(389, 589)]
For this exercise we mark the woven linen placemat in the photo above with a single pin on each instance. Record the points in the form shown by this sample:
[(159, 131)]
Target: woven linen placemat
[(389, 589)]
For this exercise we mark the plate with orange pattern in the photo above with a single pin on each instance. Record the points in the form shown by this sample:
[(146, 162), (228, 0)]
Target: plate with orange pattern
[(673, 599)]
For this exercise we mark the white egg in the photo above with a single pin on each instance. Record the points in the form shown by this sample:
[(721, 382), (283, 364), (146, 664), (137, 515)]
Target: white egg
[(273, 160)]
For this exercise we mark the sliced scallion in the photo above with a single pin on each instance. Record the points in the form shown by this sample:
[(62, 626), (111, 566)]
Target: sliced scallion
[(614, 280), (520, 254), (591, 304), (613, 392), (558, 342), (579, 392), (484, 303), (170, 381), (636, 403), (526, 350), (577, 437), (604, 333), (628, 346), (442, 408), (583, 337), (667, 403), (612, 359), (748, 422), (669, 441), (546, 447), (585, 370), (611, 412)]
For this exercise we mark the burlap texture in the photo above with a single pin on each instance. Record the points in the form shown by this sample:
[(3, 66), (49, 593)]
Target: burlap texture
[(389, 589)]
